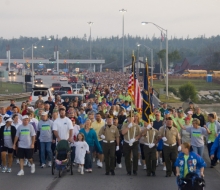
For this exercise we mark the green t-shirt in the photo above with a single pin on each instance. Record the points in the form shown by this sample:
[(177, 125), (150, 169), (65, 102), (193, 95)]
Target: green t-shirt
[(213, 134), (128, 98), (185, 165), (181, 120), (121, 97)]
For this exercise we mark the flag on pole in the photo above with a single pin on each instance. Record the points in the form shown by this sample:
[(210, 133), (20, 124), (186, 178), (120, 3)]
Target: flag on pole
[(131, 80), (162, 37), (137, 91), (147, 103)]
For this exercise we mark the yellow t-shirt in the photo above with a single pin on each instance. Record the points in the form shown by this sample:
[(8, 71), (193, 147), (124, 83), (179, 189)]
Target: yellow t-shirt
[(186, 171), (97, 126)]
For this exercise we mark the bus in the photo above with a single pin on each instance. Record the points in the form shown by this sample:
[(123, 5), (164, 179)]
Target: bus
[(194, 73), (216, 74)]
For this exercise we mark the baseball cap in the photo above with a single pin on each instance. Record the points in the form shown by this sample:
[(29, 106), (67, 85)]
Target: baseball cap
[(31, 109), (190, 112), (44, 113), (25, 117), (187, 118), (8, 119)]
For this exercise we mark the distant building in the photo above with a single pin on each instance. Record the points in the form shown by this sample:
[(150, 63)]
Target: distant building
[(191, 63)]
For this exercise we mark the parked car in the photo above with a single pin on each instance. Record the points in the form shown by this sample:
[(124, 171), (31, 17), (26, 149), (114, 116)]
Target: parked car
[(63, 78), (56, 86), (68, 89), (11, 73), (55, 72), (72, 79), (38, 81), (59, 92), (43, 91), (61, 73)]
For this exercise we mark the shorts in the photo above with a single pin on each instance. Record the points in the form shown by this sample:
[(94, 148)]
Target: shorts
[(96, 148), (6, 149), (25, 153)]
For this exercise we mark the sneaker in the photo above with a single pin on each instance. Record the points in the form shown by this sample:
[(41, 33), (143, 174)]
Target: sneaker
[(43, 165), (79, 169), (164, 168), (86, 170), (93, 160), (90, 170), (9, 170), (119, 166), (161, 161), (25, 162), (4, 169), (139, 162), (21, 172), (17, 161), (29, 164), (145, 167), (33, 168), (99, 164), (49, 164)]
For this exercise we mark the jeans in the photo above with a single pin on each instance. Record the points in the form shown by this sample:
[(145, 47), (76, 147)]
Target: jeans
[(45, 146), (88, 158), (215, 159), (0, 157), (73, 148), (198, 150)]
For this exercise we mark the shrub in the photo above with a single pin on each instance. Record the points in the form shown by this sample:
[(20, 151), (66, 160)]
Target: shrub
[(173, 90), (188, 90)]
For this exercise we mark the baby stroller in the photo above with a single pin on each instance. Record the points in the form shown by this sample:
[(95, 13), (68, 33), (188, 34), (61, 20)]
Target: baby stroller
[(192, 181), (62, 159)]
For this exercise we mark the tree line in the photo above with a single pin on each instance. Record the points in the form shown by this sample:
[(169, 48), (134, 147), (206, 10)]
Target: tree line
[(110, 48)]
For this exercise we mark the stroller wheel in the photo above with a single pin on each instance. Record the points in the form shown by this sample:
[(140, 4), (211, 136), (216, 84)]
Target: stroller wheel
[(53, 167)]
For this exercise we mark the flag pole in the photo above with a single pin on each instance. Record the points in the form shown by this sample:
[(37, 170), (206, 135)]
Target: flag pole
[(133, 60)]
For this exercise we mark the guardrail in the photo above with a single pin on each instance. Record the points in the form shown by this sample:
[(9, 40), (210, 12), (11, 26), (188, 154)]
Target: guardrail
[(14, 96)]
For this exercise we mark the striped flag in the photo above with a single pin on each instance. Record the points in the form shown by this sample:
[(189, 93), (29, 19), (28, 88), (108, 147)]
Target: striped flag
[(147, 97), (134, 87), (137, 91), (131, 80)]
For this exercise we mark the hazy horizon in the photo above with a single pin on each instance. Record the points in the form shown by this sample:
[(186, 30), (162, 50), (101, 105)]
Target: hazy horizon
[(69, 18)]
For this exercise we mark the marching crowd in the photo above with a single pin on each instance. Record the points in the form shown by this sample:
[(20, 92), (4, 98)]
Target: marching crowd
[(105, 127)]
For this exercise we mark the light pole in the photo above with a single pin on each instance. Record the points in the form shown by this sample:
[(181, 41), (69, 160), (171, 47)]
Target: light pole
[(123, 57), (23, 53), (152, 61), (32, 62), (90, 40), (138, 45), (162, 29)]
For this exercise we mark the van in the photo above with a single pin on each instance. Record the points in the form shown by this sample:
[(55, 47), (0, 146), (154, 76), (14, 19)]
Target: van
[(40, 91)]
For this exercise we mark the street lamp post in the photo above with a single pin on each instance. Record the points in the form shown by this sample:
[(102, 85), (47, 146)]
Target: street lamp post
[(152, 61), (162, 29), (23, 53), (123, 57), (90, 40), (138, 60)]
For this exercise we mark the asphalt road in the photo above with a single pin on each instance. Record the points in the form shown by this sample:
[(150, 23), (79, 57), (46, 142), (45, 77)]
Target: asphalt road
[(43, 180)]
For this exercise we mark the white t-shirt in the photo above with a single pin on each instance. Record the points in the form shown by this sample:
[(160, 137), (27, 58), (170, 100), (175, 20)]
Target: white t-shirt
[(63, 126)]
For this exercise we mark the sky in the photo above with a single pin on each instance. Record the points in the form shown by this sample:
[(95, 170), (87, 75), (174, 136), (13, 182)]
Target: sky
[(37, 18)]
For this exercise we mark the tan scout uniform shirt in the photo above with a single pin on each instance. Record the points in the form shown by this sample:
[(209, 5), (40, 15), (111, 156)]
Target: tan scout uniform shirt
[(131, 131), (152, 134), (172, 134), (110, 133)]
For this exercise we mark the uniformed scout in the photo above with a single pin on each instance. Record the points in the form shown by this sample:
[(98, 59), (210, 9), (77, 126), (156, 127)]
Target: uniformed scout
[(170, 137), (131, 133), (150, 139), (109, 133)]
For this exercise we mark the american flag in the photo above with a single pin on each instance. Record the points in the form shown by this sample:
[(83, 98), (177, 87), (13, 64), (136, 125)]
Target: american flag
[(134, 87)]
